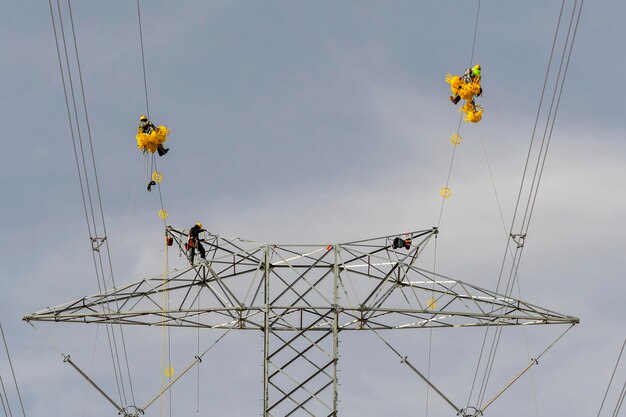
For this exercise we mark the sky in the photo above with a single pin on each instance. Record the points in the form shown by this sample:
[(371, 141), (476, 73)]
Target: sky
[(306, 122)]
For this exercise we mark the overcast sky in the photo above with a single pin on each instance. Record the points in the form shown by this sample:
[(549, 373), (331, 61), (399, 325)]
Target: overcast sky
[(322, 121)]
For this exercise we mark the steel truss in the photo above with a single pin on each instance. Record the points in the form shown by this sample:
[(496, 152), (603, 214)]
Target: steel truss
[(301, 297)]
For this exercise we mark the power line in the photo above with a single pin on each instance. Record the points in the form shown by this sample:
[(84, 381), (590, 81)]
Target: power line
[(86, 192), (612, 376), (540, 163), (17, 387), (93, 235), (3, 394), (93, 159)]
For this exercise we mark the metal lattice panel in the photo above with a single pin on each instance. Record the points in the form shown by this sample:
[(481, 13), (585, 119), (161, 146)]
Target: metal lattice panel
[(301, 297), (378, 287)]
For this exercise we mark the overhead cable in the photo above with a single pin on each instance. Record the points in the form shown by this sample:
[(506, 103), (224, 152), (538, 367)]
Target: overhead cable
[(17, 387)]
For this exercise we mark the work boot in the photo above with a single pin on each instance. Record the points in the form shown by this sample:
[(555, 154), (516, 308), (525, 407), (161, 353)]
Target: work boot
[(150, 184), (455, 99), (161, 150)]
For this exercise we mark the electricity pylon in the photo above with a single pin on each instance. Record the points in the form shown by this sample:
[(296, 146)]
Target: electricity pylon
[(301, 297)]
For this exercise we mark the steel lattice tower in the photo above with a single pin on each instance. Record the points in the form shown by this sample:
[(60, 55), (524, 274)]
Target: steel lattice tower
[(301, 297)]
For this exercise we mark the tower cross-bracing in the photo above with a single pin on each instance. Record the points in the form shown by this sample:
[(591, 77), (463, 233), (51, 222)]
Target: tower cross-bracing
[(301, 297)]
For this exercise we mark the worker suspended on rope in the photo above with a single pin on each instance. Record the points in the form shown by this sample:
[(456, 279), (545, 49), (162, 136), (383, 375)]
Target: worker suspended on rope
[(194, 242), (150, 138), (467, 87)]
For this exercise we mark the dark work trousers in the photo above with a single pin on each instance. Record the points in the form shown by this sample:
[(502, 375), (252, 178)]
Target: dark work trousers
[(192, 249)]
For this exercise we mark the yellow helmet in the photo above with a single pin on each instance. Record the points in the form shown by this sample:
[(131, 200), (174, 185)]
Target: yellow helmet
[(477, 66), (143, 117), (199, 225)]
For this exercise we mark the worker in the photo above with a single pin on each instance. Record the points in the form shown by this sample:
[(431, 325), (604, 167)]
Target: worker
[(146, 126), (471, 75), (194, 242), (398, 243)]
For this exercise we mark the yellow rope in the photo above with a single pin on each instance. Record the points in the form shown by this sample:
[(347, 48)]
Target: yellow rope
[(164, 359)]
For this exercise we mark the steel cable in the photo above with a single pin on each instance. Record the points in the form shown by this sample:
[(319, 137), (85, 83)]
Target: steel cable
[(87, 200), (546, 78), (561, 74), (619, 357), (80, 175), (93, 159), (17, 388), (3, 394)]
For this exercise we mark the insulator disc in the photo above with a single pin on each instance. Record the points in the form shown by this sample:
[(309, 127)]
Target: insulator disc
[(456, 139), (157, 176), (445, 192)]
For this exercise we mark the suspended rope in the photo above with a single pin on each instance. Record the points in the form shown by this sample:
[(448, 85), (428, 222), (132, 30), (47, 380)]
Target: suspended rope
[(197, 359), (93, 359), (155, 178), (445, 193), (168, 371), (198, 354), (456, 137), (143, 61)]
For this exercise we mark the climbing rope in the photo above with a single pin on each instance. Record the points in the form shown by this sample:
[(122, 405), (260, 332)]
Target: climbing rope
[(168, 371), (91, 364), (143, 61), (197, 359), (445, 193), (153, 174)]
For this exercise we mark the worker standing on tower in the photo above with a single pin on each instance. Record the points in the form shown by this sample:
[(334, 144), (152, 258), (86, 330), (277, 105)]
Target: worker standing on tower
[(194, 242)]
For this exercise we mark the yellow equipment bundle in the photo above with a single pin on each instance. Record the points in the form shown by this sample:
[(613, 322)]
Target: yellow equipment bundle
[(465, 89), (473, 112), (151, 141)]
